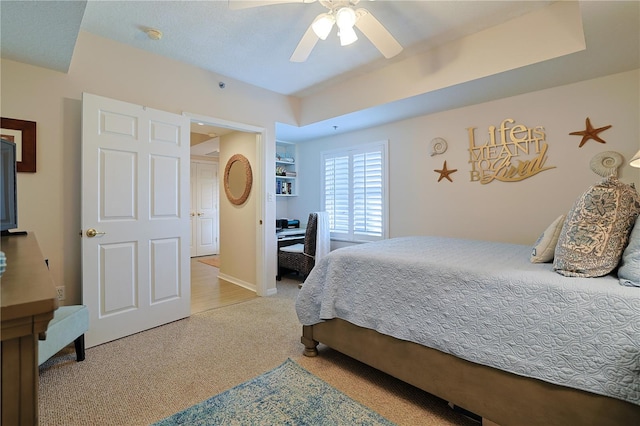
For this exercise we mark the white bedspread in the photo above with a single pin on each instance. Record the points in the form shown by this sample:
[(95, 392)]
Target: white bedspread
[(486, 303)]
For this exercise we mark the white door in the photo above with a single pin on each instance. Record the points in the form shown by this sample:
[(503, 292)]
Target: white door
[(204, 205), (135, 218), (193, 222)]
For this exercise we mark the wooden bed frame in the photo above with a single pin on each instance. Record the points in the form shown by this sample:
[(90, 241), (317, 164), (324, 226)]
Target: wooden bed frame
[(498, 396)]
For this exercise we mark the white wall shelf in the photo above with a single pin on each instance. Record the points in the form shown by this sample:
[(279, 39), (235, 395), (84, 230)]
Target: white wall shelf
[(286, 169)]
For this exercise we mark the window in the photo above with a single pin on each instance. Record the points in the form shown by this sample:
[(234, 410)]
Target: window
[(354, 192)]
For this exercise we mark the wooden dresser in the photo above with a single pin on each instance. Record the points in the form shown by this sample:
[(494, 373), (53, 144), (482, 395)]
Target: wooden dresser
[(27, 305)]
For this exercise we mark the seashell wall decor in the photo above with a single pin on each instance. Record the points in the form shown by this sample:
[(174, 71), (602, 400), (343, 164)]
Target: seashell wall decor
[(606, 163), (438, 146)]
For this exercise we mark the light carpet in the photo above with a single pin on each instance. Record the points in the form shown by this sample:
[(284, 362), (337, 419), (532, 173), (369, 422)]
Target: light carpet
[(286, 395), (143, 378), (211, 261)]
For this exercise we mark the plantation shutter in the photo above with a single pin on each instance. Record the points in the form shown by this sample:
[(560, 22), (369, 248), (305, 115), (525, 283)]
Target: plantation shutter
[(337, 193), (367, 194), (354, 192)]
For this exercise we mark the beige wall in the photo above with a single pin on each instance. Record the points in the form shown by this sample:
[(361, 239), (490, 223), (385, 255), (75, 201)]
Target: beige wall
[(49, 200), (238, 222), (514, 212)]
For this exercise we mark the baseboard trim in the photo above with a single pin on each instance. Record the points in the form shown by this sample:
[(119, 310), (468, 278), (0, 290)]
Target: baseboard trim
[(236, 281), (272, 291)]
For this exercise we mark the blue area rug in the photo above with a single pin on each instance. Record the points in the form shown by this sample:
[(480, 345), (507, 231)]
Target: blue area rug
[(286, 395)]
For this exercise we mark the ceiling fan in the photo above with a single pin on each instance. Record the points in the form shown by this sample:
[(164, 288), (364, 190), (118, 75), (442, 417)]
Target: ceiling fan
[(343, 14)]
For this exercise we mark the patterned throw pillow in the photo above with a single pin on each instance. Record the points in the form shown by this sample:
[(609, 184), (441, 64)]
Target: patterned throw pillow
[(597, 229), (545, 246), (629, 271)]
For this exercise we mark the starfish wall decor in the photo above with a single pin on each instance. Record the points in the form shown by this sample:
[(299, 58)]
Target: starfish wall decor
[(444, 173), (590, 133)]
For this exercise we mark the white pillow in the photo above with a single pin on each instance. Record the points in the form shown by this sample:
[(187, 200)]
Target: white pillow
[(545, 247), (629, 270)]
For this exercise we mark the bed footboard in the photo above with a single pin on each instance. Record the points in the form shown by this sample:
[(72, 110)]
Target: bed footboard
[(496, 395)]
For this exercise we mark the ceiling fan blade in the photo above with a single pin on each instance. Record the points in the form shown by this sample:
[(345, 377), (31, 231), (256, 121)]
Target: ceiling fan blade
[(246, 4), (306, 45), (377, 33)]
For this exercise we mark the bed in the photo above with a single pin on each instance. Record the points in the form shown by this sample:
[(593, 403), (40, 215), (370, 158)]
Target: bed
[(477, 324)]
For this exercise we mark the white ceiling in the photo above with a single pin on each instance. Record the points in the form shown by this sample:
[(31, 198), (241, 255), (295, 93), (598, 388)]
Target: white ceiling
[(253, 45)]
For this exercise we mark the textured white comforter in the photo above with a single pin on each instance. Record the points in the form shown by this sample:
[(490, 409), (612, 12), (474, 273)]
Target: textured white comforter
[(486, 303)]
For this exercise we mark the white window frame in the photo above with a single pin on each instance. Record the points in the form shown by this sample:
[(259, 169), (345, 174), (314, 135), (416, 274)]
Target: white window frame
[(350, 235)]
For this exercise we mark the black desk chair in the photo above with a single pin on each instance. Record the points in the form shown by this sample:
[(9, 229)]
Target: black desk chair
[(300, 257)]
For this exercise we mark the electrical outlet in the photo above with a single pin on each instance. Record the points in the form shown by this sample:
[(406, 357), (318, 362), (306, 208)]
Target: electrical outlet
[(60, 292)]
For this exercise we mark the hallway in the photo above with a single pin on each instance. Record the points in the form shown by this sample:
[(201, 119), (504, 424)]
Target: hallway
[(207, 292)]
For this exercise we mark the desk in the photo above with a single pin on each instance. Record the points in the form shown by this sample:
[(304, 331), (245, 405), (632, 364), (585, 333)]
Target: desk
[(290, 236), (28, 302)]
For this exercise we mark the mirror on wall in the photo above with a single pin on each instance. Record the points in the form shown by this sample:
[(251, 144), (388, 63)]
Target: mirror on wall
[(238, 179)]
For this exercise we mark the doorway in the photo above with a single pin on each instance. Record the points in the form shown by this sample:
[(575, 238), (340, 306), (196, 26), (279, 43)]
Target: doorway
[(207, 133), (207, 292), (205, 188)]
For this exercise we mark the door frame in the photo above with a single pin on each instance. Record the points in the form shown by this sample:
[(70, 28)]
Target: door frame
[(261, 208)]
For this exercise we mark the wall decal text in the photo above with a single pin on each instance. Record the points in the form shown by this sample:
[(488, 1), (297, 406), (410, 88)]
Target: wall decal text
[(513, 152)]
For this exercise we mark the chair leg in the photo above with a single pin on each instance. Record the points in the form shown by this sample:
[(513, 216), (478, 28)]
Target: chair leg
[(79, 344)]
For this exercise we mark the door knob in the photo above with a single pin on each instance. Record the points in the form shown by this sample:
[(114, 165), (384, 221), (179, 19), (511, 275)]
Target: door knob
[(92, 233), (200, 214)]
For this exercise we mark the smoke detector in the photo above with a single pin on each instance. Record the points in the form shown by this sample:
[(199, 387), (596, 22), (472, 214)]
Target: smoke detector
[(153, 34)]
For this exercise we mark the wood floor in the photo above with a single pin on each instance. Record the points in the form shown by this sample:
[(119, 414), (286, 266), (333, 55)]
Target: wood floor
[(207, 292)]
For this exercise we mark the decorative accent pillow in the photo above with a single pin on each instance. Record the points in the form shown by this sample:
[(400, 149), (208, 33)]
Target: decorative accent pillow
[(545, 246), (629, 271), (597, 229)]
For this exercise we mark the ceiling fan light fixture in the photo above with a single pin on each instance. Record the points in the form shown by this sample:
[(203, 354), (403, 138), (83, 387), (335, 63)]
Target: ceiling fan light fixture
[(322, 25), (347, 36), (346, 19), (343, 14)]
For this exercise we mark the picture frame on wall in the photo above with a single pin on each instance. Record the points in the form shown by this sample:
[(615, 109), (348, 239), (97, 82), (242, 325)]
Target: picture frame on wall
[(23, 134)]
